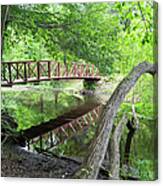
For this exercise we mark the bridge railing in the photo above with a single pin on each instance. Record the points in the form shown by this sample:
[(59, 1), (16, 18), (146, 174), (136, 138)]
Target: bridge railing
[(32, 71)]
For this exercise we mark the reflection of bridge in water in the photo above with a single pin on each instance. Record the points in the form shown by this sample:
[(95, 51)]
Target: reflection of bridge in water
[(63, 127), (22, 72)]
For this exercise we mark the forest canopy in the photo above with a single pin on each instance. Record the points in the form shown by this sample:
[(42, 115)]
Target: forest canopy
[(100, 33)]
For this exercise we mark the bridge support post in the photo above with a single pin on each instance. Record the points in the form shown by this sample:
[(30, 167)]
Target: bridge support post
[(49, 69), (38, 71), (58, 69), (89, 84), (25, 72), (10, 75)]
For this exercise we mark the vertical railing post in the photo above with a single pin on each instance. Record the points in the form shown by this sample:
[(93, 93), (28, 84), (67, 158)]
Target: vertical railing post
[(67, 70), (9, 71), (25, 72), (74, 69), (17, 71), (92, 70), (38, 71), (49, 69), (3, 71), (29, 71), (86, 70), (82, 73), (58, 69), (78, 71)]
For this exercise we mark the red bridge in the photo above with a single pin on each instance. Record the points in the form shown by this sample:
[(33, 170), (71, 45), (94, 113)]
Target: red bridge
[(22, 72)]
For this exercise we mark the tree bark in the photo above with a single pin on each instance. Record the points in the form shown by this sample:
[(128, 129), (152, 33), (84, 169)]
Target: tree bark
[(98, 147), (113, 154), (4, 16), (132, 126), (130, 135)]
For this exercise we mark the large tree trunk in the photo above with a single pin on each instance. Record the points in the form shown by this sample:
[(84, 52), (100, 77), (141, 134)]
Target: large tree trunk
[(4, 16), (98, 147)]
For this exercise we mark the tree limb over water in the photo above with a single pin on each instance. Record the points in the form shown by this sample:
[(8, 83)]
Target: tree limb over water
[(98, 147)]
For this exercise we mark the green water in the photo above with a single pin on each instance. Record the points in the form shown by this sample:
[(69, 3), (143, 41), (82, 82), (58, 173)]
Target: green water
[(31, 107)]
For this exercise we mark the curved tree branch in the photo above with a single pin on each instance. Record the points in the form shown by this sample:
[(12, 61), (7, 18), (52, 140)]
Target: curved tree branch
[(98, 147)]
